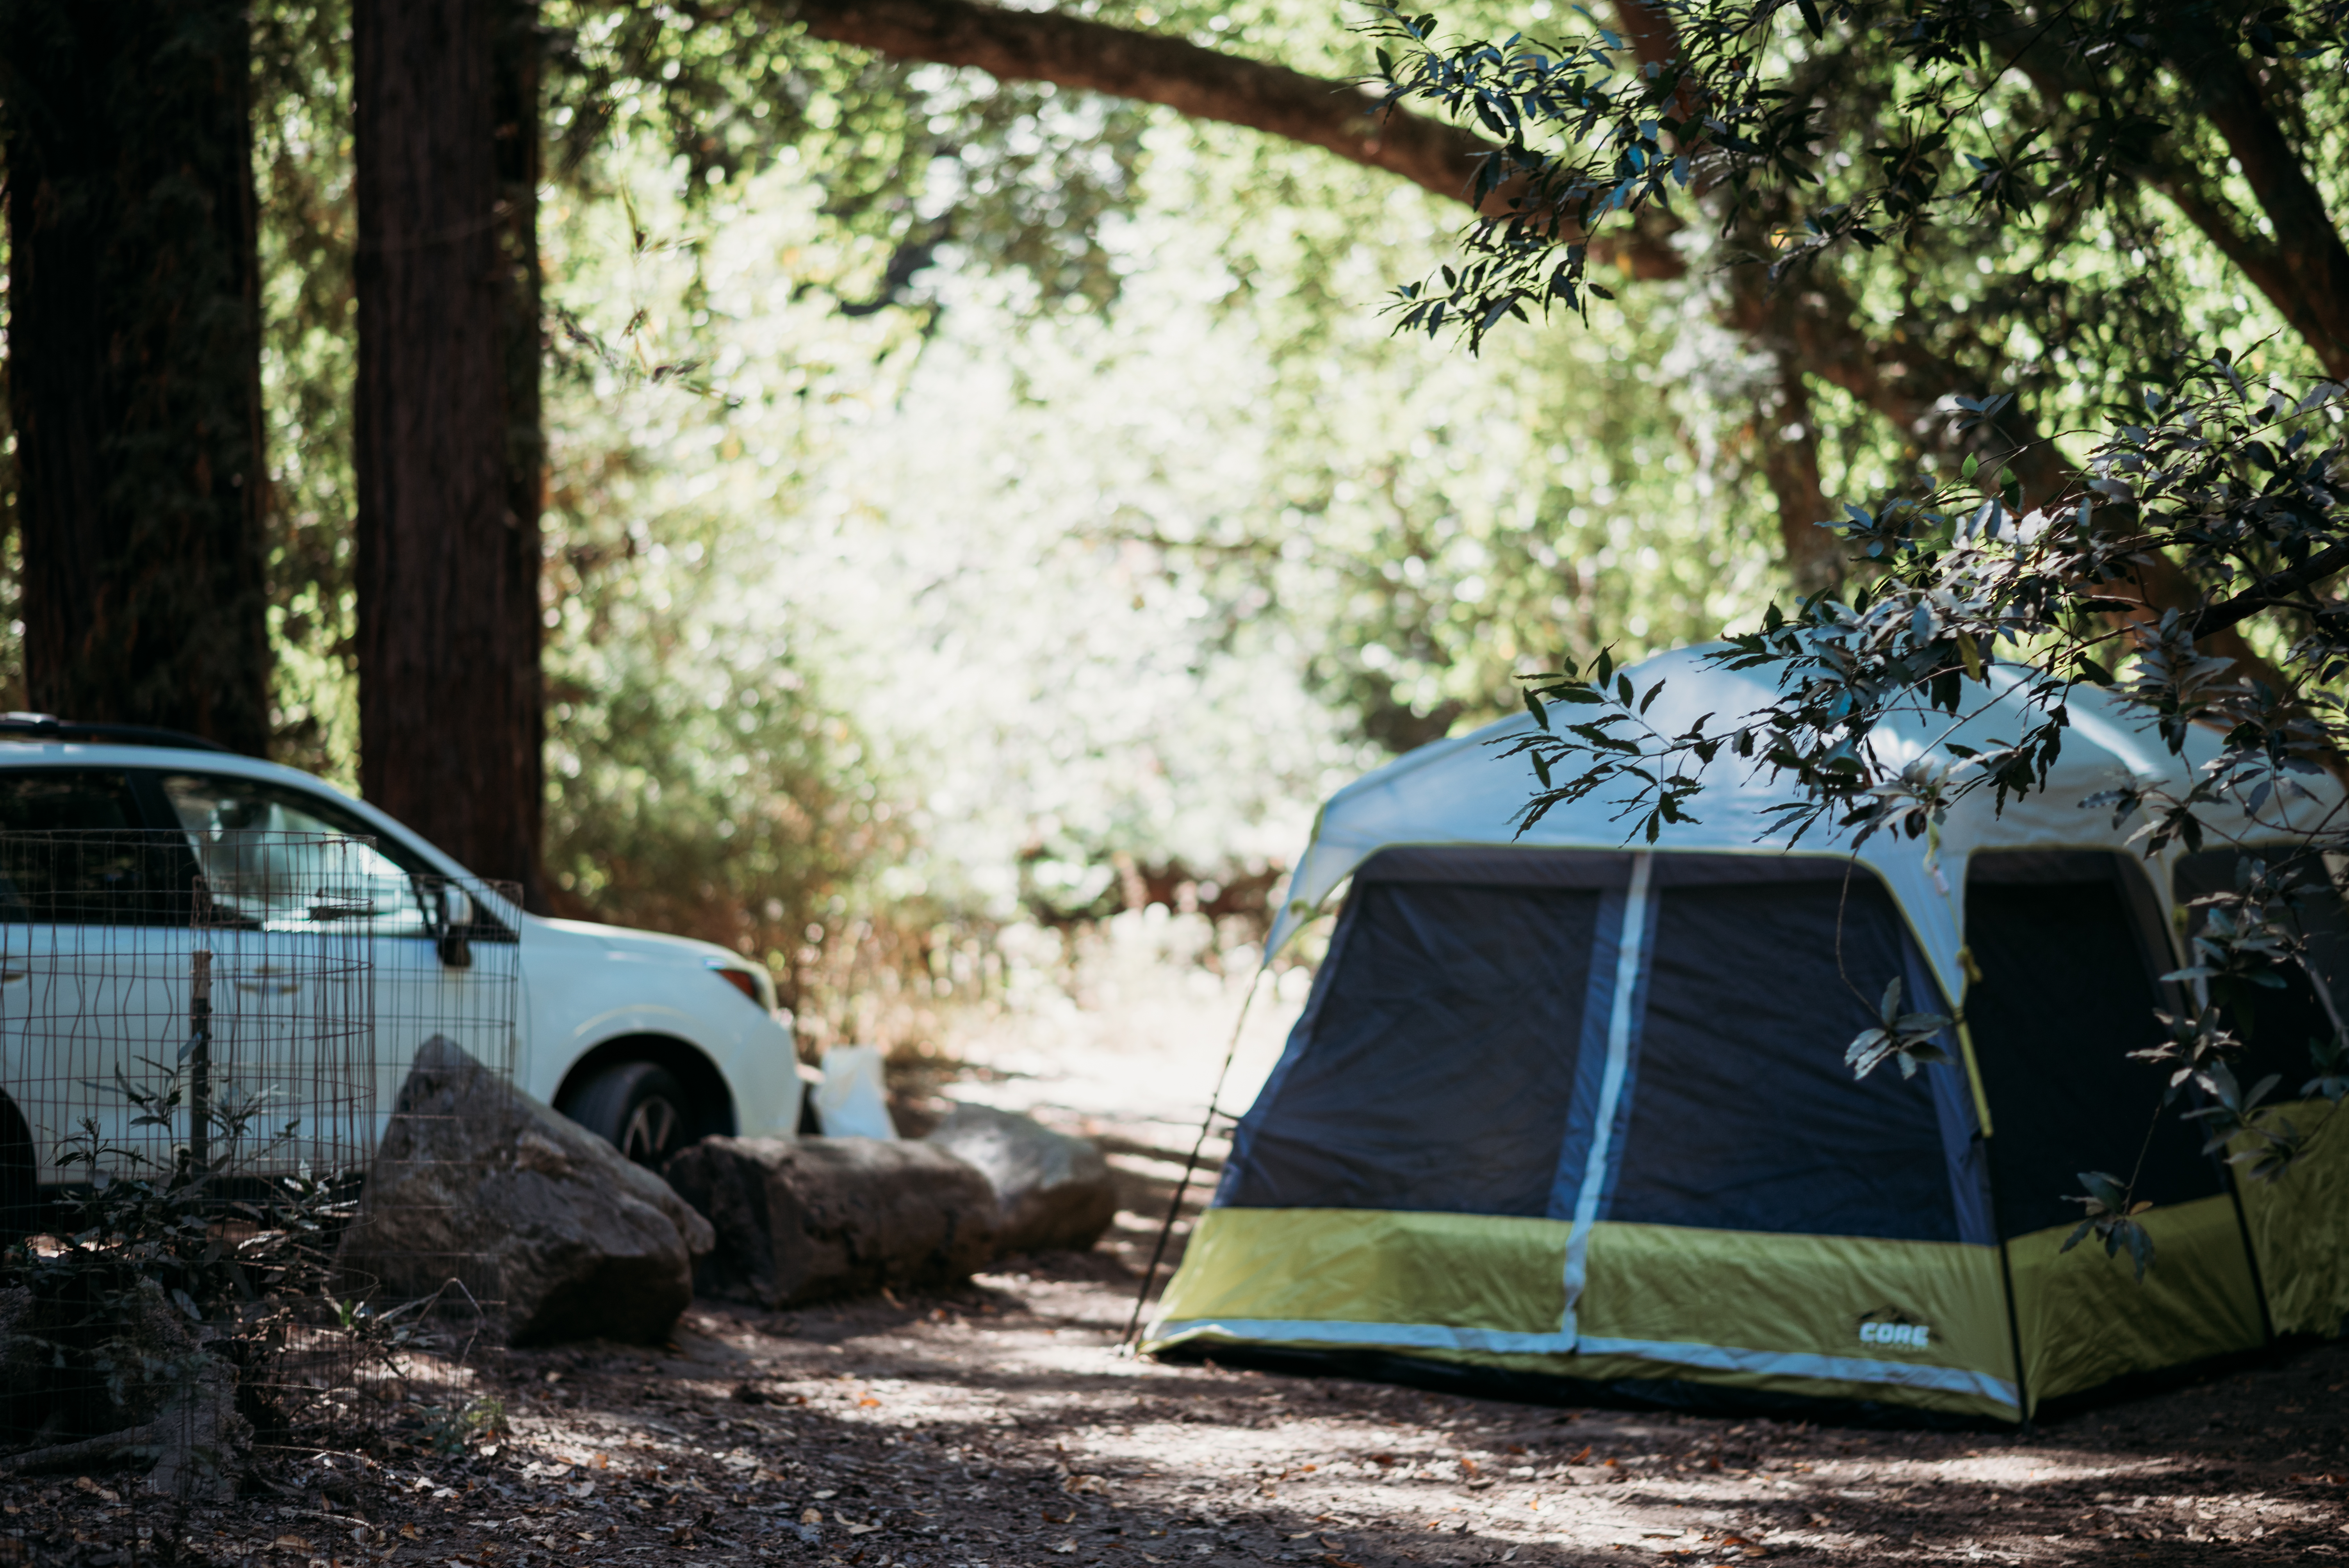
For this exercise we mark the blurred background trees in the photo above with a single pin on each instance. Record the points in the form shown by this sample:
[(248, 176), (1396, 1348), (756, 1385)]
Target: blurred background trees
[(967, 498)]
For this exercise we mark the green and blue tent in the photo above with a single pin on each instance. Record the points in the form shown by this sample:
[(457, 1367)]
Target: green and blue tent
[(1572, 1116)]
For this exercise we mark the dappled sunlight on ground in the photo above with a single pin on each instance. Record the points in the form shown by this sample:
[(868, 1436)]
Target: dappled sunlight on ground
[(998, 1426)]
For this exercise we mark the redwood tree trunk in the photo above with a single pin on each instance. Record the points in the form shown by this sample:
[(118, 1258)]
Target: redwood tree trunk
[(134, 362), (450, 702)]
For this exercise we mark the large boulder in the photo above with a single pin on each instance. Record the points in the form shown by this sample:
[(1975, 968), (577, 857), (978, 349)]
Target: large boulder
[(471, 1171), (799, 1220), (1050, 1189)]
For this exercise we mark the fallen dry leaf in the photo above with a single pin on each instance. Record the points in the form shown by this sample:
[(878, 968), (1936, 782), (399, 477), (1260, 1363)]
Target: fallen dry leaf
[(292, 1543)]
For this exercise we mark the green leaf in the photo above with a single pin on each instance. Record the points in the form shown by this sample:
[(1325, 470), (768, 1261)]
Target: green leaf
[(1971, 653)]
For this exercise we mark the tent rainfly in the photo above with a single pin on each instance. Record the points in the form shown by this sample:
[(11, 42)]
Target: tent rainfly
[(1571, 1118)]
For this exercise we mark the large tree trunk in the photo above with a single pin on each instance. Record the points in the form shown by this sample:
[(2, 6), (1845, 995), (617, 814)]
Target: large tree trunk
[(450, 700), (134, 364)]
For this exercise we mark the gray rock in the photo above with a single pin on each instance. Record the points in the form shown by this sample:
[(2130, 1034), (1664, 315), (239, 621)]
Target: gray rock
[(471, 1171), (1050, 1189), (799, 1220)]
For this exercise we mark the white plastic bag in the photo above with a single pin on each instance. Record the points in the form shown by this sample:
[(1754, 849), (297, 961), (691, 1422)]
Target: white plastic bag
[(851, 1101)]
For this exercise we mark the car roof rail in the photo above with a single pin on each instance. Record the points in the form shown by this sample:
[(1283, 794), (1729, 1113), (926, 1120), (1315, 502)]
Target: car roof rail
[(49, 726)]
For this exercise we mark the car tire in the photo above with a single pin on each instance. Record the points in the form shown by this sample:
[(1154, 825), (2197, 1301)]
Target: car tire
[(639, 1108)]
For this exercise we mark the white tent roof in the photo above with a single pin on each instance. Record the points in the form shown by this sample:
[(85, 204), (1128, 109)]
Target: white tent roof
[(1462, 792)]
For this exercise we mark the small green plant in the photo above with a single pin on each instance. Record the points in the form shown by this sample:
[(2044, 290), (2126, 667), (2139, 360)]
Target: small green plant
[(172, 1283), (452, 1429)]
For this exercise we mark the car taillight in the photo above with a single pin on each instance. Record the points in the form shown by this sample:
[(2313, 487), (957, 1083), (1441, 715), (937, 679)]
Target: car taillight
[(742, 980)]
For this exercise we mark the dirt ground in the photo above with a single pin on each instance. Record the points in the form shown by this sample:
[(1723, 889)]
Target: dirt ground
[(997, 1426)]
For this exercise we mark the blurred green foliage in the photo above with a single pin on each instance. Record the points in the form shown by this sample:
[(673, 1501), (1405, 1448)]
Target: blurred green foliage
[(973, 502), (944, 522)]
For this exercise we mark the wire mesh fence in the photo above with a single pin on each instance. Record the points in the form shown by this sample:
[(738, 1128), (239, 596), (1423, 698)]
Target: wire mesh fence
[(204, 1035), (426, 1293)]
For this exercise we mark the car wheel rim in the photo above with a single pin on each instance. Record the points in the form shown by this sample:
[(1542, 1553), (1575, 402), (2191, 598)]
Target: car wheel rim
[(652, 1128)]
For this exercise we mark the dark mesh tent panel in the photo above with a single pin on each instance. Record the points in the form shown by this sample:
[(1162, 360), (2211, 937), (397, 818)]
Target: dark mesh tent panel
[(1743, 1115), (1451, 1057), (2279, 1026), (2068, 988), (1433, 1068)]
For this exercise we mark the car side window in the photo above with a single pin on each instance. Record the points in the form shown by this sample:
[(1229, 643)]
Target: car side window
[(77, 851), (288, 859)]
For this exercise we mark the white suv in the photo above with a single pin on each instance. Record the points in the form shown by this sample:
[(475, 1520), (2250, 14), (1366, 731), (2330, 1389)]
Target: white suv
[(652, 1041)]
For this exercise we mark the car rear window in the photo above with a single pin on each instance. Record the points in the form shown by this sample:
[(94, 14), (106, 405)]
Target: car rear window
[(74, 850)]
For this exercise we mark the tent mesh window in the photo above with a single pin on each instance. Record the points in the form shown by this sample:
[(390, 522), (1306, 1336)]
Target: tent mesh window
[(1451, 1057), (2071, 948), (1744, 1115), (200, 1032), (1435, 1078)]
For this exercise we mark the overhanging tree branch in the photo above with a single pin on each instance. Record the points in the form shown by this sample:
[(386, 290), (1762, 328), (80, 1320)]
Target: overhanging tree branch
[(2304, 270), (1073, 51), (1901, 381), (2306, 239), (2271, 592), (1201, 83)]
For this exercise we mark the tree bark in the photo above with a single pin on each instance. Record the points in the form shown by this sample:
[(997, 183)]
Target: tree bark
[(134, 362), (1790, 462), (519, 144), (2300, 263), (447, 446), (2313, 293)]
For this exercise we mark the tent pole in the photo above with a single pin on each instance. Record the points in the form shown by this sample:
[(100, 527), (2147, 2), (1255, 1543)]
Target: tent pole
[(2251, 1253), (2013, 1335), (1175, 1209)]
